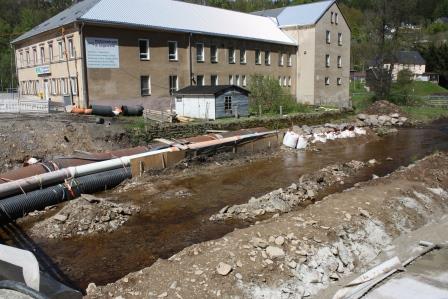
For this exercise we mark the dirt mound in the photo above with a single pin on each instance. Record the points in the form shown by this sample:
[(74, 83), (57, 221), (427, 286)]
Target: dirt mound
[(383, 108), (83, 216)]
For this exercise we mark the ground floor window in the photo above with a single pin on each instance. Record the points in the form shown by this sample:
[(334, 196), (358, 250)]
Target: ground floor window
[(228, 105), (214, 80), (174, 84), (145, 85), (244, 80), (74, 85), (200, 80)]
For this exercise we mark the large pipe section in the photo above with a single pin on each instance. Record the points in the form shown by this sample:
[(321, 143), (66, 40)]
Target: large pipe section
[(17, 206), (59, 176)]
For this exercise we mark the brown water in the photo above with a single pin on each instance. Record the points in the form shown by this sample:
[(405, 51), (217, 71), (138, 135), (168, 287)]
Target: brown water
[(172, 222)]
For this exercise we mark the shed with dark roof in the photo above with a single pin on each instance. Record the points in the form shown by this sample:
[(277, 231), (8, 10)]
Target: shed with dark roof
[(212, 102)]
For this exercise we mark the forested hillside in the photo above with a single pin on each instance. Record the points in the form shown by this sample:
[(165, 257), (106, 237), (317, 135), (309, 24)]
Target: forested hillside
[(377, 26)]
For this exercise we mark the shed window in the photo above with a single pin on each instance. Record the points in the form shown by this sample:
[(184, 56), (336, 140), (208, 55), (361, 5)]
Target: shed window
[(214, 80), (257, 56), (267, 57), (328, 36), (243, 56), (200, 80), (228, 105), (231, 55), (214, 54), (174, 84), (172, 51), (144, 49), (145, 85), (200, 55)]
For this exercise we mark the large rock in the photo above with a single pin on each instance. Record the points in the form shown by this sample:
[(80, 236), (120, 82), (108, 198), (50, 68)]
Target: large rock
[(223, 269), (275, 252)]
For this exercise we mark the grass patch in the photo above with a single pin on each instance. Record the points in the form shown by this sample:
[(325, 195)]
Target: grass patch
[(419, 88), (425, 114)]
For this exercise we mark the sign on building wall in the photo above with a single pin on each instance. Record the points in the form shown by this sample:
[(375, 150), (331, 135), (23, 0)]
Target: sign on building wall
[(43, 70), (102, 53)]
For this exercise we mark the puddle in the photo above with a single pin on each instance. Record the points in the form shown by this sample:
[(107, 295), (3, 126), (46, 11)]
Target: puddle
[(175, 220)]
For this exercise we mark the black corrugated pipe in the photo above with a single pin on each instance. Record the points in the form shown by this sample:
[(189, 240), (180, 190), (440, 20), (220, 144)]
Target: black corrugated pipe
[(17, 206), (101, 110), (132, 110)]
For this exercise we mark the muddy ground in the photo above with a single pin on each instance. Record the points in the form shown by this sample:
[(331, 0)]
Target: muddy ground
[(301, 252), (55, 135)]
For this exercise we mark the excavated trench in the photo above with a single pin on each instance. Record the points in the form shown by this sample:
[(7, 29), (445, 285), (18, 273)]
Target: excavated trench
[(179, 208)]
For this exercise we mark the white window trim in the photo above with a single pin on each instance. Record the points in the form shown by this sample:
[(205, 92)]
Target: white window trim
[(285, 83), (289, 59), (202, 80), (238, 80), (339, 61), (289, 81), (232, 58), (42, 57), (149, 86), (200, 57), (35, 56), (216, 81), (231, 80), (148, 49), (339, 81), (327, 60), (340, 39), (61, 49), (74, 85), (281, 61), (328, 36), (176, 85), (267, 58), (214, 58), (336, 18), (50, 52), (244, 80), (258, 57), (327, 81), (71, 47), (176, 58), (244, 57)]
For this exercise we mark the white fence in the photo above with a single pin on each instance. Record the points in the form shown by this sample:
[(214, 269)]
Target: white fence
[(10, 103)]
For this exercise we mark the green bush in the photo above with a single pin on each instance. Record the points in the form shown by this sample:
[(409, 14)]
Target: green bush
[(267, 93)]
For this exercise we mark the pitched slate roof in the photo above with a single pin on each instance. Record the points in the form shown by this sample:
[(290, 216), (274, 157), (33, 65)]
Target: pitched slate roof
[(210, 90), (65, 17), (298, 15), (409, 57), (171, 16)]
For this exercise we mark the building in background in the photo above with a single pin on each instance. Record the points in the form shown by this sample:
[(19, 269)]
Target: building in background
[(143, 51)]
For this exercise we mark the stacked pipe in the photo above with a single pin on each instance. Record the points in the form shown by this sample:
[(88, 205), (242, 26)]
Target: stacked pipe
[(39, 191)]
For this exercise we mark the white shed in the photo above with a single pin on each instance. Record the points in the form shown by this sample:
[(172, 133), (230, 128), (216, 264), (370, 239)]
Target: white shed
[(212, 102)]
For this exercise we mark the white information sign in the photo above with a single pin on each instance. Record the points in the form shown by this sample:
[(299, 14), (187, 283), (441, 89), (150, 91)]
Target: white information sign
[(102, 53)]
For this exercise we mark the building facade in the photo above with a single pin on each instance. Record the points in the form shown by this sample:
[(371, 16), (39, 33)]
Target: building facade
[(115, 52)]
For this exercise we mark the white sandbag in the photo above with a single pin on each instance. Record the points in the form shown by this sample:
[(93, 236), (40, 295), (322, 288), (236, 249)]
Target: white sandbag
[(319, 138), (290, 139), (302, 143), (360, 131), (330, 136)]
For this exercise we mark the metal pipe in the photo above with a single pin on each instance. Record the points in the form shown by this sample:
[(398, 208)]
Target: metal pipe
[(204, 144), (59, 176)]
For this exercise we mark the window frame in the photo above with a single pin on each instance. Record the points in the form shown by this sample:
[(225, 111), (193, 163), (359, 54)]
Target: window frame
[(327, 60), (339, 81), (257, 57), (232, 58), (214, 58), (289, 81), (214, 80), (228, 105), (35, 58), (328, 36), (74, 85), (243, 56), (285, 82), (332, 16), (267, 57), (339, 38), (231, 80), (175, 87), (61, 50), (336, 18), (244, 80), (175, 55), (281, 61), (50, 52), (71, 48), (148, 49), (237, 80), (339, 61), (42, 54), (198, 58), (145, 92), (201, 79), (327, 81), (289, 60)]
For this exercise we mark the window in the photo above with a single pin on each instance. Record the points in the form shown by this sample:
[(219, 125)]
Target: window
[(327, 60), (339, 61), (172, 51), (42, 55), (243, 57), (339, 81), (50, 51), (230, 79), (145, 86), (28, 59), (231, 55), (336, 18), (200, 80), (280, 81), (285, 83), (174, 84), (244, 80), (289, 81), (328, 36), (332, 15), (71, 48), (289, 59), (228, 105), (327, 80), (53, 86), (143, 45), (280, 59), (237, 79), (35, 56), (214, 80), (64, 86), (340, 39), (214, 54), (74, 85), (267, 57), (257, 56), (200, 55), (61, 50), (20, 63)]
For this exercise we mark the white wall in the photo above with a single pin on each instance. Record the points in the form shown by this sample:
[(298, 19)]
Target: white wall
[(202, 107)]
